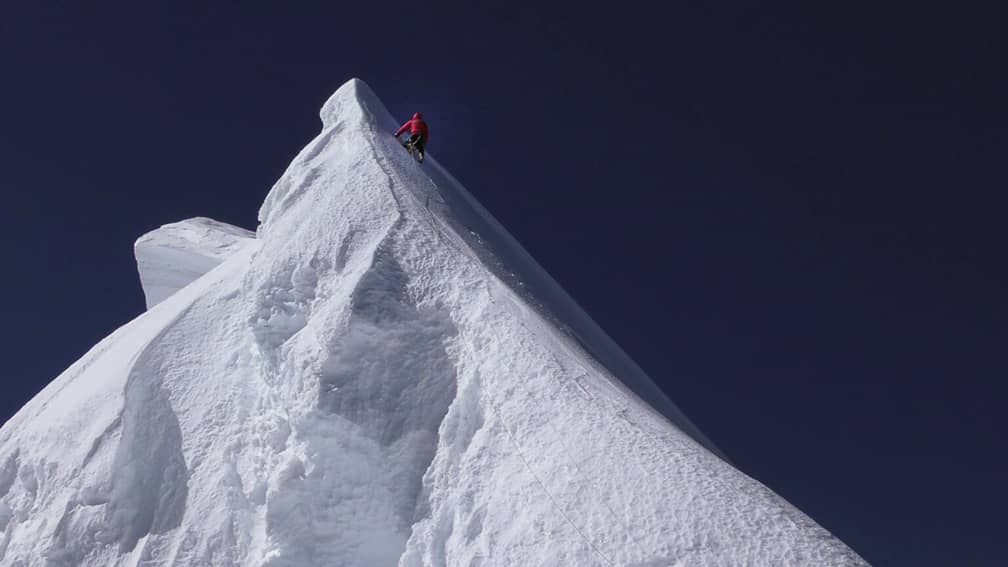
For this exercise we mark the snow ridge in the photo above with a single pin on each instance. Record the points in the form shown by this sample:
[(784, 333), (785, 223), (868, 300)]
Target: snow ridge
[(382, 376), (176, 254)]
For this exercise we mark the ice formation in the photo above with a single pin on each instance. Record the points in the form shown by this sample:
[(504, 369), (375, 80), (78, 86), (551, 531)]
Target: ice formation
[(176, 254), (382, 376)]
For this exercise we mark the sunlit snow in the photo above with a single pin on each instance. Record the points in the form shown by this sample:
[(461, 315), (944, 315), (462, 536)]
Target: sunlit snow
[(380, 376)]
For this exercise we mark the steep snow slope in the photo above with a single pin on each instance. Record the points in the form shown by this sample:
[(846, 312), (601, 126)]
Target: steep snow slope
[(173, 256), (382, 377)]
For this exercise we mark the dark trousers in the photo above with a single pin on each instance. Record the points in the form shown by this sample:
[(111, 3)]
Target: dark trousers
[(416, 140)]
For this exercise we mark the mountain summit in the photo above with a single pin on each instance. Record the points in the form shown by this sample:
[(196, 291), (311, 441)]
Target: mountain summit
[(380, 375)]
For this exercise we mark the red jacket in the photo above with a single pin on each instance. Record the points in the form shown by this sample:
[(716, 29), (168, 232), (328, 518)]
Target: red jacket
[(414, 125)]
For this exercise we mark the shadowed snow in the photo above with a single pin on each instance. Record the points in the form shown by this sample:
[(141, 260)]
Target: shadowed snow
[(171, 257), (381, 376)]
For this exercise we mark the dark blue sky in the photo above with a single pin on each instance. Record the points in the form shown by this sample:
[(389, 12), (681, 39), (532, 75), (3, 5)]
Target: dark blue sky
[(792, 219)]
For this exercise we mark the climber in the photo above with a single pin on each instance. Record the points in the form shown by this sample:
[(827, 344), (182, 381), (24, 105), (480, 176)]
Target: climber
[(418, 135)]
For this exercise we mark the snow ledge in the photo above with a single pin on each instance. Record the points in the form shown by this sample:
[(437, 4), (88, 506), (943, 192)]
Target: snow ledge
[(173, 256)]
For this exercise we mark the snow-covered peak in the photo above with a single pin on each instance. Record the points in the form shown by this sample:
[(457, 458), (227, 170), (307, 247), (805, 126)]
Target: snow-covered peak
[(355, 100), (355, 120), (353, 116), (384, 378), (171, 257)]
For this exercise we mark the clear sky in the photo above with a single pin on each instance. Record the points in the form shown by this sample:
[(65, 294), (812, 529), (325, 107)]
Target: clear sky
[(792, 219)]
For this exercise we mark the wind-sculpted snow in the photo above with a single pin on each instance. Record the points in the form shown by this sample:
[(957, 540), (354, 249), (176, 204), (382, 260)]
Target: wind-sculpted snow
[(176, 254), (381, 377)]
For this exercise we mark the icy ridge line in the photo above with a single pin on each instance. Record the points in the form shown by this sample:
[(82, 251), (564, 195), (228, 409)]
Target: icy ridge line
[(381, 376)]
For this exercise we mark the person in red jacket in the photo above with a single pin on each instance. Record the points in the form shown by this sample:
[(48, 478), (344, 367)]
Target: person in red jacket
[(418, 133)]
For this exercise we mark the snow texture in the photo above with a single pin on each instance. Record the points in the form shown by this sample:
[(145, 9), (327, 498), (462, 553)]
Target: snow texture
[(381, 377), (176, 254)]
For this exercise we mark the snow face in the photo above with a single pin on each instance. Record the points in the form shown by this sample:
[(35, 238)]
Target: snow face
[(381, 377), (175, 255)]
